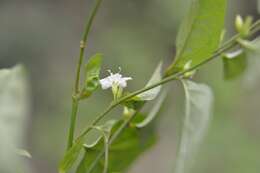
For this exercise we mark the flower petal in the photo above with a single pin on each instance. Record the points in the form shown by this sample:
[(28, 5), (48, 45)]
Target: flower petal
[(122, 83), (105, 83), (127, 78)]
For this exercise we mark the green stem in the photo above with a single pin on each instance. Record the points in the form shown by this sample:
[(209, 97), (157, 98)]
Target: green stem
[(109, 108), (112, 139), (226, 46), (165, 80), (83, 42), (106, 157), (73, 117), (75, 101)]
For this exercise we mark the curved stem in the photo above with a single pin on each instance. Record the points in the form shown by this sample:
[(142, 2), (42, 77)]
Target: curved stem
[(75, 100)]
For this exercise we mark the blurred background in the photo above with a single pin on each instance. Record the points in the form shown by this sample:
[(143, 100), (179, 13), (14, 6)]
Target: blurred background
[(135, 35)]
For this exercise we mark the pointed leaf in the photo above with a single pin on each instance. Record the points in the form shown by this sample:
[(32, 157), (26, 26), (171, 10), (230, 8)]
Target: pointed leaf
[(199, 100), (139, 100), (92, 74), (199, 34), (156, 77)]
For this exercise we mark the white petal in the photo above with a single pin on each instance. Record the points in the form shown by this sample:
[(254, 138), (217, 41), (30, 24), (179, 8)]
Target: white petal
[(115, 77), (122, 83), (127, 78), (105, 83)]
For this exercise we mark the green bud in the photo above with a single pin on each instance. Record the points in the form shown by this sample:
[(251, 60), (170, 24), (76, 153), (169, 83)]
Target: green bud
[(243, 26), (128, 112), (239, 23), (187, 66)]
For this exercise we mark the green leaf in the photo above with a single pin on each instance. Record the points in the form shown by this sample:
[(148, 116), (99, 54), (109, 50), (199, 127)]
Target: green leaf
[(122, 152), (71, 155), (199, 34), (198, 107), (156, 77), (14, 111), (235, 64), (92, 74)]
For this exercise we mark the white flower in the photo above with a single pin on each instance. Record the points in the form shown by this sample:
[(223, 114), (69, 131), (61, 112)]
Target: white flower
[(114, 80)]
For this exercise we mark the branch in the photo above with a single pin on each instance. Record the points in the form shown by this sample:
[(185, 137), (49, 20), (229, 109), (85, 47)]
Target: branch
[(75, 100)]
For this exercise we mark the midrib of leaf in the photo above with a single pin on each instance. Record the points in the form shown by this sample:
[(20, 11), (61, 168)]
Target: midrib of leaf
[(198, 104), (193, 17), (199, 33)]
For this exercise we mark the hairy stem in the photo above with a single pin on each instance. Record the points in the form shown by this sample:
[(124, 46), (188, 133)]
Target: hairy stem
[(75, 100)]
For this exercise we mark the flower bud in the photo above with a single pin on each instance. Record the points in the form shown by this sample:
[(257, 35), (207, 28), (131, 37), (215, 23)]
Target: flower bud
[(243, 26), (239, 23), (128, 112)]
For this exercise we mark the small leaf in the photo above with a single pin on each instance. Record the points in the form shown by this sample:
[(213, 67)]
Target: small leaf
[(199, 34), (23, 153), (198, 107), (14, 111), (71, 155), (154, 111), (234, 64), (156, 77), (122, 152), (92, 74)]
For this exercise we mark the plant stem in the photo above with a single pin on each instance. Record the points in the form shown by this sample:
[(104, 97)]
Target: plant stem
[(226, 46), (73, 117), (83, 42), (75, 100), (106, 157), (107, 110)]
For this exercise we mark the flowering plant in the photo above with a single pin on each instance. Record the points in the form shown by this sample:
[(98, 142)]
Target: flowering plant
[(123, 139)]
